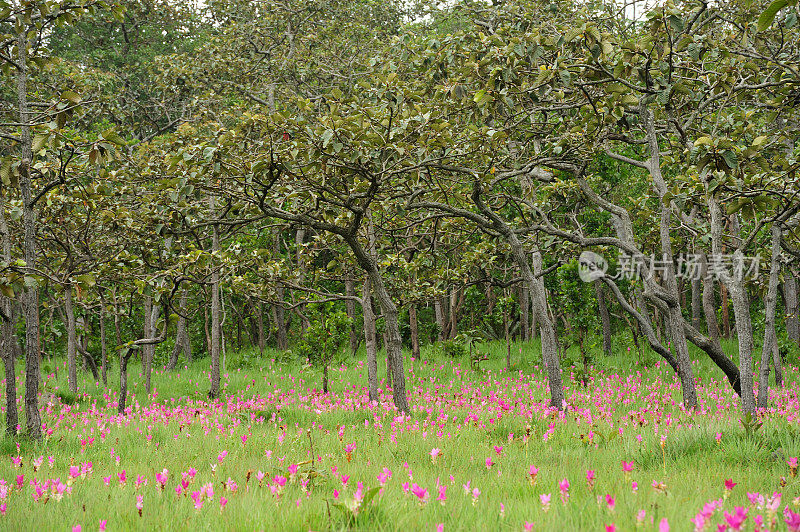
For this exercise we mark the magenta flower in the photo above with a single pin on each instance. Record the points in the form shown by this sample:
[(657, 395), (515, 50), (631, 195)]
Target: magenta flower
[(422, 494), (729, 484), (792, 520), (627, 467), (293, 469), (611, 503), (590, 476), (545, 500), (489, 463), (737, 518), (442, 496)]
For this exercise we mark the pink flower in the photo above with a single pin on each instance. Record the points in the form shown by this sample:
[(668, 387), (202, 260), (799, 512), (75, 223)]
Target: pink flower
[(590, 476), (435, 452), (222, 502), (384, 476), (545, 500), (475, 493), (293, 469), (611, 528), (528, 527), (627, 467), (221, 456), (76, 528), (489, 463), (122, 477), (139, 502), (350, 447), (498, 449), (345, 478), (442, 497), (422, 494), (729, 484), (737, 518), (74, 472), (103, 523), (792, 520), (663, 525), (610, 502)]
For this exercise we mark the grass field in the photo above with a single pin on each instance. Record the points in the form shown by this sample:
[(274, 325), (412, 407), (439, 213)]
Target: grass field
[(481, 451)]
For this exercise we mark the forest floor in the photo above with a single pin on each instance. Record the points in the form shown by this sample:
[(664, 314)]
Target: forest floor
[(481, 451)]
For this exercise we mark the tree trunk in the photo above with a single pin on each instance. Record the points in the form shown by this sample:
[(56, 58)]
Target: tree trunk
[(726, 316), (674, 315), (790, 300), (524, 312), (413, 325), (709, 302), (605, 318), (8, 338), (370, 340), (453, 332), (440, 319), (394, 343), (770, 345), (180, 331), (262, 340), (300, 237), (507, 336), (148, 351), (103, 354), (29, 220), (741, 307), (697, 304), (546, 330), (213, 392), (350, 306), (72, 346)]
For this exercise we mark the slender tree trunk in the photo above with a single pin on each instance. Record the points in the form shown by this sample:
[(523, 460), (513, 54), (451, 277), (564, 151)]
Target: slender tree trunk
[(790, 300), (262, 340), (674, 315), (117, 331), (101, 315), (605, 317), (148, 351), (524, 312), (72, 346), (741, 306), (29, 220), (300, 237), (394, 344), (180, 331), (350, 306), (709, 302), (726, 317), (770, 345), (440, 320), (507, 336), (213, 392), (697, 303), (546, 329), (414, 327), (370, 340), (453, 332), (8, 338)]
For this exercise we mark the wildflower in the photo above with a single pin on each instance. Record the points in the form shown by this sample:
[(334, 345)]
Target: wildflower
[(590, 476), (640, 515), (737, 518), (434, 454), (663, 525), (475, 494), (221, 456), (292, 470), (545, 500), (563, 486), (627, 467), (498, 449), (421, 493), (103, 523), (729, 484), (532, 472), (792, 465), (792, 520), (611, 503), (489, 463), (222, 502), (139, 504), (348, 451), (442, 497), (161, 478)]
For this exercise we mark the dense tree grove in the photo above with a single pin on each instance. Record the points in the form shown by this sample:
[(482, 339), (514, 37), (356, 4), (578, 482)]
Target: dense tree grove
[(184, 179)]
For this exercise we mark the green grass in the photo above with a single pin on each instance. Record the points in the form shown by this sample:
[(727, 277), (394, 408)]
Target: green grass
[(176, 430)]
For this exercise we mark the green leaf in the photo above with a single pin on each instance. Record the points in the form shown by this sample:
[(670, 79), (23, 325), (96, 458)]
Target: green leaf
[(766, 18), (71, 97), (113, 137), (326, 137)]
